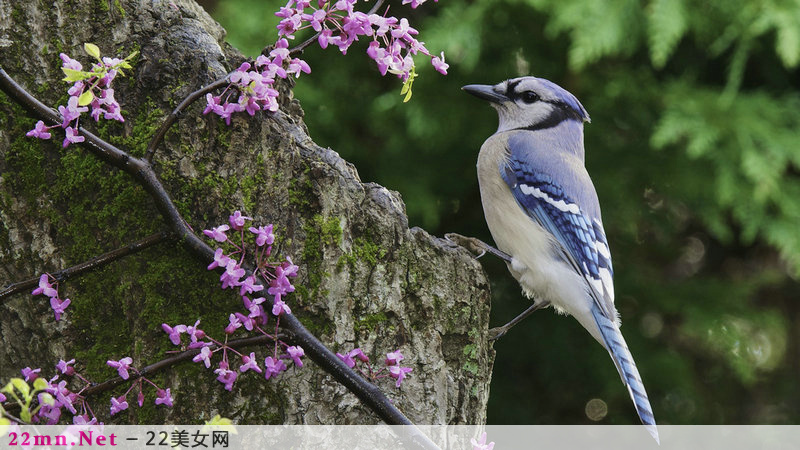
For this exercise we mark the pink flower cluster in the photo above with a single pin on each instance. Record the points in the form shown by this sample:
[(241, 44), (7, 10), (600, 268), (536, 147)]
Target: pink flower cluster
[(393, 44), (255, 316), (118, 404), (46, 288), (89, 89), (392, 365), (254, 84), (56, 397)]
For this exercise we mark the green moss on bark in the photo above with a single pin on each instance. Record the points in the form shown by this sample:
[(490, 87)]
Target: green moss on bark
[(320, 233)]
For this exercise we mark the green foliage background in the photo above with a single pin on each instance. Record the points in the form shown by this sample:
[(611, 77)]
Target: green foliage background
[(694, 147)]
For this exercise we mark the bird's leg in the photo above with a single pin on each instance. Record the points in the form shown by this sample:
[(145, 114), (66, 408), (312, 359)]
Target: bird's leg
[(480, 248), (477, 246), (498, 332)]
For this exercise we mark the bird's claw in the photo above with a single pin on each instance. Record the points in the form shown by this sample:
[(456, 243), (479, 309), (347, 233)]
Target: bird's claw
[(473, 245), (496, 333)]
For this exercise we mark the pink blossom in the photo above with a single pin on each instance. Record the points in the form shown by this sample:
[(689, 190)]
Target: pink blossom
[(212, 104), (45, 287), (164, 397), (204, 355), (174, 333), (65, 367), (248, 286), (481, 444), (69, 63), (439, 64), (234, 324), (249, 363), (297, 65), (220, 259), (273, 367), (72, 137), (263, 234), (59, 306), (30, 374), (280, 307), (218, 233), (118, 404), (247, 321), (194, 332), (392, 358), (122, 366), (398, 373), (233, 273), (296, 352), (225, 376), (71, 112), (51, 413), (355, 353), (39, 131)]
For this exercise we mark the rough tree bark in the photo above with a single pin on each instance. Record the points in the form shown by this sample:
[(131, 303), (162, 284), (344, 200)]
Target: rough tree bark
[(366, 279)]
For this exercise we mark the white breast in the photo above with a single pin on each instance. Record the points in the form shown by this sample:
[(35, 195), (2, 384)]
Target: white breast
[(541, 275)]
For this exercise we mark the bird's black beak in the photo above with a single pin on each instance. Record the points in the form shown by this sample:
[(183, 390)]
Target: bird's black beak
[(485, 92)]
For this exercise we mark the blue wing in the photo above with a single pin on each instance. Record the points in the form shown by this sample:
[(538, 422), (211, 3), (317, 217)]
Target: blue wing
[(582, 238)]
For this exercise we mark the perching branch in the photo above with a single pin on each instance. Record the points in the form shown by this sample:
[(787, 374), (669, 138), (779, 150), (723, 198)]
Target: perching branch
[(86, 266), (142, 171)]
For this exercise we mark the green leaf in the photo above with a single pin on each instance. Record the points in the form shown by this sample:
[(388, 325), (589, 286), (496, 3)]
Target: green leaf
[(85, 98), (408, 95), (406, 89), (597, 29), (219, 423), (20, 385), (788, 42), (39, 384), (92, 50), (25, 415), (219, 420), (47, 399), (667, 25), (75, 75)]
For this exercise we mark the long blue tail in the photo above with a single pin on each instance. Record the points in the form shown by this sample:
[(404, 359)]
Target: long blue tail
[(623, 359)]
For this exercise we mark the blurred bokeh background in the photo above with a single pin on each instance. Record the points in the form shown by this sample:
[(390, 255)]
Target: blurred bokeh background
[(694, 147)]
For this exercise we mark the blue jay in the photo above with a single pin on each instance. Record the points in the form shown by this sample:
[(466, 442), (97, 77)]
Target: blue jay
[(543, 213)]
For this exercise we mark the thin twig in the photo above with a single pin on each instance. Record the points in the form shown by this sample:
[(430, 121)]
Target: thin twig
[(86, 266), (173, 116)]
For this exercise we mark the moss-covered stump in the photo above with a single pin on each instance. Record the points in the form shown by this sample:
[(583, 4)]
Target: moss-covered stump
[(366, 279)]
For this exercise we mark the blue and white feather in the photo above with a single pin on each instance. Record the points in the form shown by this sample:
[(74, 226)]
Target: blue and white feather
[(542, 209)]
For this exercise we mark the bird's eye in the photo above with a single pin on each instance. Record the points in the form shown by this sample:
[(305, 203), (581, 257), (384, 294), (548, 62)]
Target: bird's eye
[(529, 97)]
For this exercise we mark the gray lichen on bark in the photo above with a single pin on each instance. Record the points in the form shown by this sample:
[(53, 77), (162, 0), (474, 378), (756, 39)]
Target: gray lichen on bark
[(366, 279)]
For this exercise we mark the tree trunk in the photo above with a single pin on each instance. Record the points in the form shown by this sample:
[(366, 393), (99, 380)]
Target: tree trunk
[(366, 279)]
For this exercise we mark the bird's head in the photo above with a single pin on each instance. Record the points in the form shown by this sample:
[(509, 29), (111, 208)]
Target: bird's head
[(530, 103)]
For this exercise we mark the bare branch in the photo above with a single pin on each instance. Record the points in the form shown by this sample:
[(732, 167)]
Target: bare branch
[(86, 266)]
